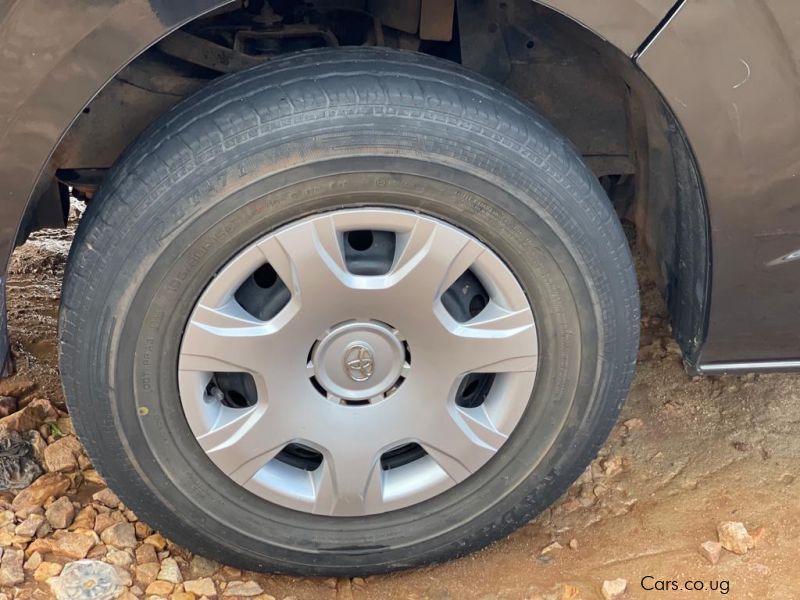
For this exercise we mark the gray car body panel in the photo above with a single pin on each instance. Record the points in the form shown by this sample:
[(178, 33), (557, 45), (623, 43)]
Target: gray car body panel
[(729, 71)]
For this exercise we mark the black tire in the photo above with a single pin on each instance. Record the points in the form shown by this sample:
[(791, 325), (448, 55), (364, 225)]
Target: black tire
[(228, 165)]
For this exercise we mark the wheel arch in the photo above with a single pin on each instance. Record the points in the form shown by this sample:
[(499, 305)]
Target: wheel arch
[(113, 40)]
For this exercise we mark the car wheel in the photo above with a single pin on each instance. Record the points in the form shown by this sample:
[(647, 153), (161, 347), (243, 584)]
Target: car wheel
[(347, 312)]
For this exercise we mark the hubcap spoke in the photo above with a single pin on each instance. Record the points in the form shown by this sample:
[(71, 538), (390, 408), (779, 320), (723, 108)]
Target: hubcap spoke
[(496, 341), (460, 445), (432, 258), (224, 339), (308, 258), (350, 482), (242, 446)]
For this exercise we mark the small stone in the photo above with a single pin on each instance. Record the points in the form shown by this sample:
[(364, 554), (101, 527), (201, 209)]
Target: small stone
[(553, 547), (46, 570), (44, 530), (201, 587), (30, 525), (614, 588), (711, 551), (62, 455), (119, 558), (16, 388), (633, 424), (107, 498), (98, 552), (65, 425), (157, 541), (143, 530), (734, 537), (7, 519), (85, 518), (86, 579), (92, 476), (38, 443), (60, 513), (8, 539), (200, 567), (145, 553), (33, 562), (72, 544), (159, 588), (145, 574), (11, 572), (182, 596), (758, 535), (125, 578), (612, 466), (121, 535), (85, 464), (8, 405), (246, 589), (105, 520), (30, 417), (573, 544), (170, 571), (570, 592), (35, 495)]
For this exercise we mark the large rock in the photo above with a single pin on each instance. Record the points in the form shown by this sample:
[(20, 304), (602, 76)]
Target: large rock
[(49, 485)]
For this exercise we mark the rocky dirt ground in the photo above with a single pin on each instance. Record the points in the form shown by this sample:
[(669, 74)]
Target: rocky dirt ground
[(689, 461)]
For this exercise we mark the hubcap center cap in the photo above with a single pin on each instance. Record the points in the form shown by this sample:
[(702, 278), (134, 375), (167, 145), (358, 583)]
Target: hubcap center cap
[(359, 360)]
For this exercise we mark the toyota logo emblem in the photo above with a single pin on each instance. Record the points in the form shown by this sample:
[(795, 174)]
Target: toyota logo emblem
[(359, 362)]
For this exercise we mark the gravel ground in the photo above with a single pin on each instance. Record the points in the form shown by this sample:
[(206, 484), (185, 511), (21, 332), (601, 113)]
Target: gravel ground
[(690, 460)]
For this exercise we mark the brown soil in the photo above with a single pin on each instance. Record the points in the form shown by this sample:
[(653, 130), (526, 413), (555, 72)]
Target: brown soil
[(707, 450)]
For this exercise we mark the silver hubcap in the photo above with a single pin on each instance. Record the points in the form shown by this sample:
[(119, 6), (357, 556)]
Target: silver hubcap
[(352, 389)]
